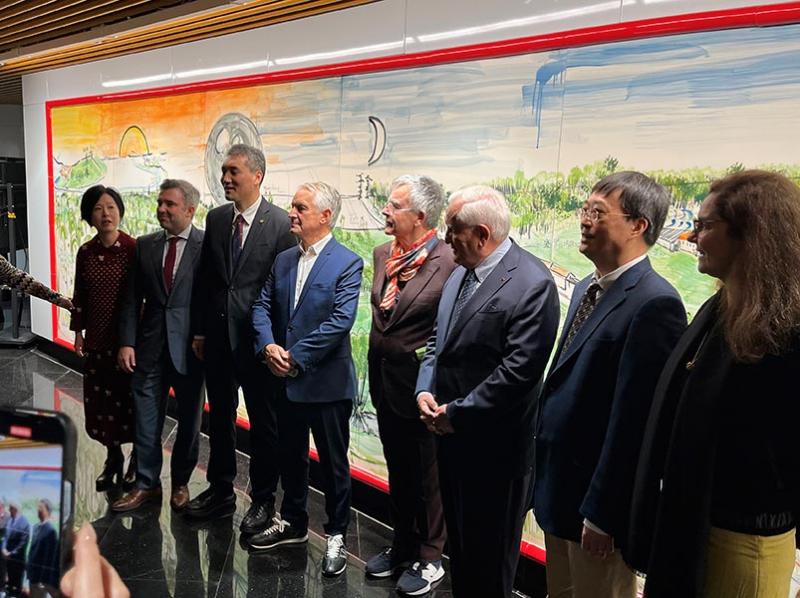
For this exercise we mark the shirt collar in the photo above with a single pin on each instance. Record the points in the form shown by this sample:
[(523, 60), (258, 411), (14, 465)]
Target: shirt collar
[(249, 213), (607, 280), (317, 247), (490, 262), (184, 234)]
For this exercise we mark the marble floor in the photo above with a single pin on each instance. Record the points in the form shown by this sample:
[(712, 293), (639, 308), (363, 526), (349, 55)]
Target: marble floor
[(158, 553)]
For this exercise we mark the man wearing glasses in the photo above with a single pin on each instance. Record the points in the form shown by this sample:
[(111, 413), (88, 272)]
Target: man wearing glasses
[(623, 321)]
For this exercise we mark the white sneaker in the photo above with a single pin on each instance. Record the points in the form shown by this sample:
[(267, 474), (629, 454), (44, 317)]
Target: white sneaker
[(335, 559), (419, 578)]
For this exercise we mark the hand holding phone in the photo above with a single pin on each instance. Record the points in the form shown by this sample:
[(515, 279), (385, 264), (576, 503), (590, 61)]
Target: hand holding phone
[(92, 576)]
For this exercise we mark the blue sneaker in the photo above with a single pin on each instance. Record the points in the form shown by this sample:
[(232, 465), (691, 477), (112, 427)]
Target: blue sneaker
[(419, 578), (384, 564)]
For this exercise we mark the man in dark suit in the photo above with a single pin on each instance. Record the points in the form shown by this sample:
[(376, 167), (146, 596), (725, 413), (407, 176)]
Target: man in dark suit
[(4, 518), (477, 388), (15, 546), (407, 284), (240, 244), (43, 564), (623, 322), (155, 345), (302, 322)]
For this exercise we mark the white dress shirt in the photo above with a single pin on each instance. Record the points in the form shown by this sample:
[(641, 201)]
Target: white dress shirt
[(490, 262), (183, 238), (249, 215), (305, 262)]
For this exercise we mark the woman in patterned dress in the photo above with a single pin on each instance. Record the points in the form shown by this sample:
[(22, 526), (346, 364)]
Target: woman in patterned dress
[(101, 269)]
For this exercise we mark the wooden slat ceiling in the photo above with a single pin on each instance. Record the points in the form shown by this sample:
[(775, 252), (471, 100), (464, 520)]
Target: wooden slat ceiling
[(37, 36)]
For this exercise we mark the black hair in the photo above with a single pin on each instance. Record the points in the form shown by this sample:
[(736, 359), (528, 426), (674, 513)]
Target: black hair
[(93, 194)]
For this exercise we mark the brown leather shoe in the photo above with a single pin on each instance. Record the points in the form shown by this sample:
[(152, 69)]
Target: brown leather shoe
[(179, 498), (135, 499)]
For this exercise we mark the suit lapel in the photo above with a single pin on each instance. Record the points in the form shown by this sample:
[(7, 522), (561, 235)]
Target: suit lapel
[(156, 260), (253, 235), (414, 287), (494, 282), (446, 305), (379, 275), (227, 234), (187, 259), (607, 303), (319, 264)]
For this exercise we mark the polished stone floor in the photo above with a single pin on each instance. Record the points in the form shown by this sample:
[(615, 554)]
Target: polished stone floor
[(157, 553)]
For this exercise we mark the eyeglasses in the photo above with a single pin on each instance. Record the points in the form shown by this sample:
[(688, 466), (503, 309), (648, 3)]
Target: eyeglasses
[(701, 224), (594, 214), (393, 207)]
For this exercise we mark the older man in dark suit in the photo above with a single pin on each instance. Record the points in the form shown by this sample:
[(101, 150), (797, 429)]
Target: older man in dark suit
[(240, 244), (622, 324), (155, 339), (477, 388), (302, 322), (409, 274), (14, 549)]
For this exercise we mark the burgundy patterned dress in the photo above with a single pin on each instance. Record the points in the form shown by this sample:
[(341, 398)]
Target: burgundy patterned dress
[(100, 274)]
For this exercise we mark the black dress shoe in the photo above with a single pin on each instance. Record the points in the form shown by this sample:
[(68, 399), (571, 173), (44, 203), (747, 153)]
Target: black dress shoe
[(111, 474), (258, 517), (209, 504)]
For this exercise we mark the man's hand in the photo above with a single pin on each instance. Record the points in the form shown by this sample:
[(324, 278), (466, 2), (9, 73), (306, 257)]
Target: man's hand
[(596, 544), (6, 554), (65, 303), (92, 576), (199, 348), (126, 358), (278, 360), (427, 405), (79, 343), (441, 423)]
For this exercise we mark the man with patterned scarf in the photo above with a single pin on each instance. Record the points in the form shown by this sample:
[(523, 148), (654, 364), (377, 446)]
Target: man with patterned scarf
[(409, 274)]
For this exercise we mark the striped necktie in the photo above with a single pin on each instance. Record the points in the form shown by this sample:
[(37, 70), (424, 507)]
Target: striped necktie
[(585, 309)]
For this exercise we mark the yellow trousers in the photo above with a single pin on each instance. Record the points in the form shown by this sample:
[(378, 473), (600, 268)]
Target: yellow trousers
[(746, 566)]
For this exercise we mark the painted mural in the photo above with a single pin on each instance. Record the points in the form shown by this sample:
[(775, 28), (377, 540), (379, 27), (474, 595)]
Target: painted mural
[(541, 127)]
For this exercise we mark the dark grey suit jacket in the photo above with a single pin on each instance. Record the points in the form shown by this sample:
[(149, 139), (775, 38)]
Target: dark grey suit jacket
[(148, 315), (488, 366), (223, 295)]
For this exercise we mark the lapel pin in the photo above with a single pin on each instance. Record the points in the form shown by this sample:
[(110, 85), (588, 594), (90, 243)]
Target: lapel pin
[(261, 221)]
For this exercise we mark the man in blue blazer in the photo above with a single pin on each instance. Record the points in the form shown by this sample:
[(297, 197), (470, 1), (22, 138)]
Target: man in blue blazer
[(302, 322), (14, 550), (623, 322), (155, 346), (477, 387)]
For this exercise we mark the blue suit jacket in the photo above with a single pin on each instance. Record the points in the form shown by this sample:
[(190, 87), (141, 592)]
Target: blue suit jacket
[(595, 403), (16, 541), (317, 331), (488, 366)]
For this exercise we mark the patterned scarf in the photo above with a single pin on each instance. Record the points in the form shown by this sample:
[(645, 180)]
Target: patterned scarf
[(402, 266)]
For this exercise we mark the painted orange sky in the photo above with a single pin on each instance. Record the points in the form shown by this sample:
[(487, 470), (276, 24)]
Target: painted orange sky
[(171, 124)]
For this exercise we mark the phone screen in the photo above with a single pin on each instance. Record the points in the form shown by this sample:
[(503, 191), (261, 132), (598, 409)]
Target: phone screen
[(33, 513)]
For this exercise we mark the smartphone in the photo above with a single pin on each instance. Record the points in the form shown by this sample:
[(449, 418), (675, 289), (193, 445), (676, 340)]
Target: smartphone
[(37, 481)]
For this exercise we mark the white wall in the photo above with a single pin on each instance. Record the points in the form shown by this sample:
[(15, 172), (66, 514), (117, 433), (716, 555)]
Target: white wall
[(386, 28), (12, 141)]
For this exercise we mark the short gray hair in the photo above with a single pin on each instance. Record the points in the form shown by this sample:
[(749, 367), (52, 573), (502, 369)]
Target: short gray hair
[(425, 194), (254, 157), (190, 193), (639, 197), (326, 197), (47, 505), (484, 205)]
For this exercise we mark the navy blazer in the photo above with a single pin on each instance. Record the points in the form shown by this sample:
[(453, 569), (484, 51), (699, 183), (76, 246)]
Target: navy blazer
[(488, 366), (16, 541), (317, 331), (165, 316), (595, 403)]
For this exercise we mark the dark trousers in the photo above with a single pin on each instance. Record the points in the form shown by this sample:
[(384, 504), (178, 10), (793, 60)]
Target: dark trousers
[(16, 571), (484, 515), (224, 377), (150, 393), (330, 425), (414, 499)]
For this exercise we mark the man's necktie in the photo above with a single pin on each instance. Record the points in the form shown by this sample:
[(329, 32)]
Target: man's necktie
[(236, 240), (169, 263), (467, 289), (585, 309)]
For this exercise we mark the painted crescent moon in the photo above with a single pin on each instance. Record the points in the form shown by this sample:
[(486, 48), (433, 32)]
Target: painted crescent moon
[(378, 139)]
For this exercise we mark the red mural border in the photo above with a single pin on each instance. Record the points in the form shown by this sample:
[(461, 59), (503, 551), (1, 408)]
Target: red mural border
[(734, 18)]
